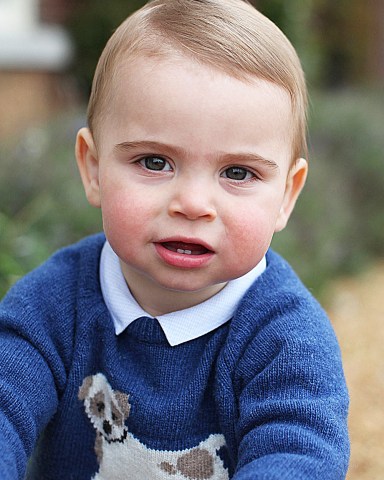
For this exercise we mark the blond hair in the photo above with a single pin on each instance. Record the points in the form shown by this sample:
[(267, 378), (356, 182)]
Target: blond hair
[(229, 35)]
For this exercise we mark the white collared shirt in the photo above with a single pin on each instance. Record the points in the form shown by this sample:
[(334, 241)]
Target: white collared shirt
[(182, 325)]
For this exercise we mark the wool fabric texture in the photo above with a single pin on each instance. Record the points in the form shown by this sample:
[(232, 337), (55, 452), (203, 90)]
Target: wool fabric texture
[(261, 397)]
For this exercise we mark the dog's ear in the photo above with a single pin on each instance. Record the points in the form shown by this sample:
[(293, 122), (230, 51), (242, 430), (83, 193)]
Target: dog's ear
[(124, 405), (85, 387)]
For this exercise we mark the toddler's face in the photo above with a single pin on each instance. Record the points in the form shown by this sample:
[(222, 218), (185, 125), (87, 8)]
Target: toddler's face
[(192, 173)]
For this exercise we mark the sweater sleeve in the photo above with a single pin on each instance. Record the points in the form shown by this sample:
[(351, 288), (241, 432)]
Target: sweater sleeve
[(28, 399), (293, 400), (34, 354)]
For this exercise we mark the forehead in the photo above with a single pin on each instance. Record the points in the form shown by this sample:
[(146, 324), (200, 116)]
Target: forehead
[(175, 95), (171, 63)]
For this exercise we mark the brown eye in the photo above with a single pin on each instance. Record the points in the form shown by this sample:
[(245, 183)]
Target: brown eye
[(237, 173), (155, 163)]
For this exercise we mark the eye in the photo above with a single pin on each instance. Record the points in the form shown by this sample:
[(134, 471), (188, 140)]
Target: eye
[(155, 164), (237, 174), (100, 407)]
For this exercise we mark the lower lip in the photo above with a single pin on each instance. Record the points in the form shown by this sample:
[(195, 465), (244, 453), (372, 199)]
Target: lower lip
[(182, 260)]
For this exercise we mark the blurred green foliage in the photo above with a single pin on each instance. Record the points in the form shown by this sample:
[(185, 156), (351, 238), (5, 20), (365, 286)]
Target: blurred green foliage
[(337, 226), (90, 26), (42, 204)]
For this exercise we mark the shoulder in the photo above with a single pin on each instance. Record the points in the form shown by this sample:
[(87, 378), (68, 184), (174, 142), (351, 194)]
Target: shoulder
[(46, 298), (279, 314), (280, 335), (59, 272), (279, 293)]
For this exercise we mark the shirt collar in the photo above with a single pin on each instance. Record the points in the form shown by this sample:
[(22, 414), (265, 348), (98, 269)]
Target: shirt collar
[(180, 326)]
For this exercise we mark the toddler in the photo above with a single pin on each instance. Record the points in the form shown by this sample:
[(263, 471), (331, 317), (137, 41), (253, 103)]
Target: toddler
[(176, 344)]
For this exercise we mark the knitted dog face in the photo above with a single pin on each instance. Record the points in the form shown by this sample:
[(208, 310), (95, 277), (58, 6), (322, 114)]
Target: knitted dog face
[(107, 409), (119, 452)]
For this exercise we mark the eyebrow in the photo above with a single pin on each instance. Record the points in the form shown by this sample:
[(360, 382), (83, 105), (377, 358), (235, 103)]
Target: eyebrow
[(251, 158), (147, 144), (164, 147)]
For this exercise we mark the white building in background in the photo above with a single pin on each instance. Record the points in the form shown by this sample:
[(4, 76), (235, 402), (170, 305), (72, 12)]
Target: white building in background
[(32, 56), (16, 15), (26, 43)]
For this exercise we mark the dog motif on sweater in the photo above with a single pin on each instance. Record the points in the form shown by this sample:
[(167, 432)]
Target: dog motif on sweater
[(121, 455)]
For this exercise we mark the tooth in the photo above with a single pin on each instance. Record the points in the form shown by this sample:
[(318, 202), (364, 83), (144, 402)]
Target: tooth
[(184, 252)]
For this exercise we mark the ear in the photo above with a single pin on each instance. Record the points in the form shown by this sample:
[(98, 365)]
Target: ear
[(123, 401), (88, 163), (85, 387), (295, 183)]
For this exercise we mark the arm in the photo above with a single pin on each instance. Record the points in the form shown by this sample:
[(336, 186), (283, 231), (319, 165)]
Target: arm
[(290, 393), (34, 349), (28, 399), (292, 422)]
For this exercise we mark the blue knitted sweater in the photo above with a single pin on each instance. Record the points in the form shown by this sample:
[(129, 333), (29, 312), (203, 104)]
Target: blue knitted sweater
[(261, 397)]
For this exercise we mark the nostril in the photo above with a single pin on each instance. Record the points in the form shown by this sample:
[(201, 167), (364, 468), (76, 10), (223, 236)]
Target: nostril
[(107, 427), (192, 210)]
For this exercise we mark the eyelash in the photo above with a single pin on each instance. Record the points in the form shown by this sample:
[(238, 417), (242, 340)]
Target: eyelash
[(167, 167), (144, 163), (249, 175)]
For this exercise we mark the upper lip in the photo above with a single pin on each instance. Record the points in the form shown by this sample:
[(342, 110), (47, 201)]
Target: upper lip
[(187, 240)]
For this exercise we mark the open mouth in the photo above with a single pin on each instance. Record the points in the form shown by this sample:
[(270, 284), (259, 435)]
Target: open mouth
[(186, 248)]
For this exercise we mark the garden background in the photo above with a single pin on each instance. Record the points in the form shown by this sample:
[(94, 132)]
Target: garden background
[(335, 239)]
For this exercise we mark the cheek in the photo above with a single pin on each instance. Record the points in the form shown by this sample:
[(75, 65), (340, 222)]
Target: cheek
[(252, 236), (123, 216), (249, 237)]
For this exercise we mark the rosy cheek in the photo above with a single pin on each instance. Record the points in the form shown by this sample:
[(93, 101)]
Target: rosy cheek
[(252, 234), (124, 213)]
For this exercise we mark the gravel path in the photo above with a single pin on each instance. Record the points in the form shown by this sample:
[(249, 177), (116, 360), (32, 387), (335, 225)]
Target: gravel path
[(356, 308)]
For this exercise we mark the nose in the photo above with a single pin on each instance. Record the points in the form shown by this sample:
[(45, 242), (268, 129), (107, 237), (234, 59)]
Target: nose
[(107, 427), (193, 200)]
